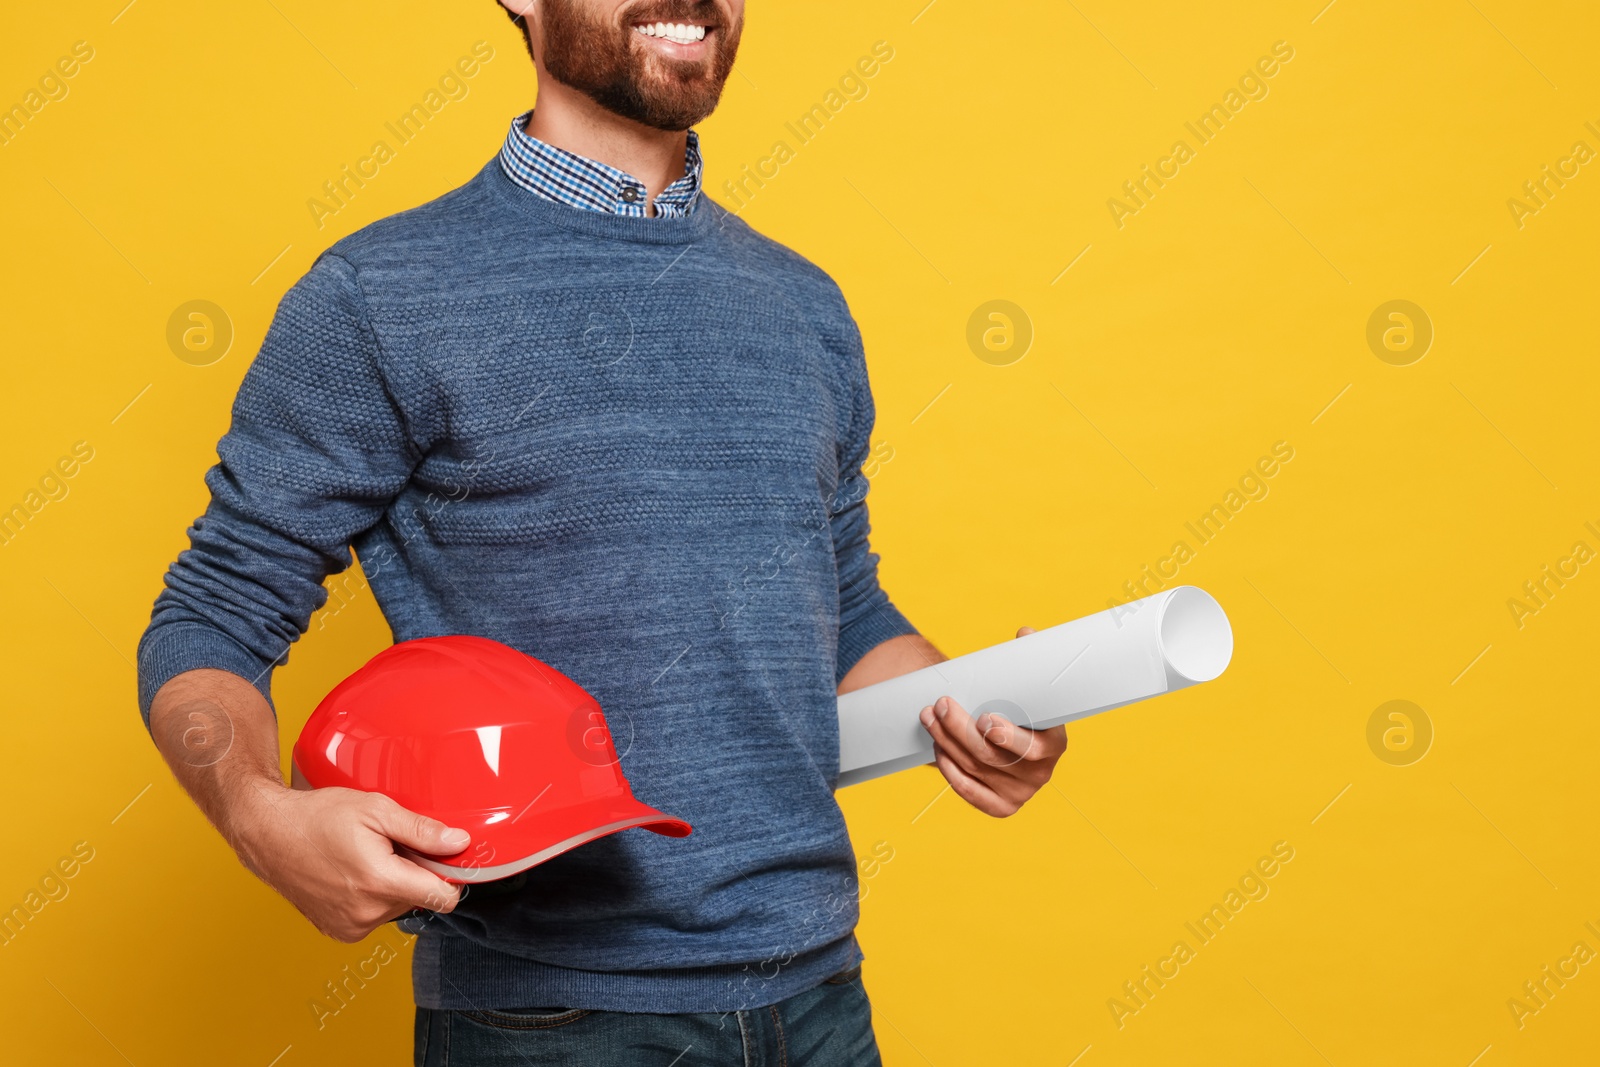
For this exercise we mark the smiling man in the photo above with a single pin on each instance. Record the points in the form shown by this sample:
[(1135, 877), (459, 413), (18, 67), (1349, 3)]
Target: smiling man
[(576, 407)]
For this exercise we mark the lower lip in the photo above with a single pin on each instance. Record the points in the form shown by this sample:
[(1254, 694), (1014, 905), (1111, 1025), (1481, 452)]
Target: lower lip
[(693, 50)]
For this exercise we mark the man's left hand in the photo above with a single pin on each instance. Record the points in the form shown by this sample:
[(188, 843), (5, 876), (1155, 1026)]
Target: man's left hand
[(992, 763)]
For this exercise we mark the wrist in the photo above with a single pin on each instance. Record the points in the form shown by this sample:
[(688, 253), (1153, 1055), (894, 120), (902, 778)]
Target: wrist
[(251, 816)]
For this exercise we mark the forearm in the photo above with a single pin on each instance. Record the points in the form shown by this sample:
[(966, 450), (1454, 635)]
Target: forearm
[(890, 659), (220, 738), (330, 852)]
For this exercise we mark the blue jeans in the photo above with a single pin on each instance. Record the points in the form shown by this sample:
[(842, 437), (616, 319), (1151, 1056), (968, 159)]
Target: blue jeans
[(827, 1026)]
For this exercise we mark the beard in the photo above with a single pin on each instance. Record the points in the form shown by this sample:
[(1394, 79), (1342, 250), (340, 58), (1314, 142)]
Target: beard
[(604, 62)]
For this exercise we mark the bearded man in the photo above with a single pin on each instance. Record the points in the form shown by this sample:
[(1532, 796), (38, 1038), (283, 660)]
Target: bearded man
[(576, 407)]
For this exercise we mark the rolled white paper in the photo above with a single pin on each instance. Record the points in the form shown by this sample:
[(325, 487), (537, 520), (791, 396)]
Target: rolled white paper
[(1125, 654)]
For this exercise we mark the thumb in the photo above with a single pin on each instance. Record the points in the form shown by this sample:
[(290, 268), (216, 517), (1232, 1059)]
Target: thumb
[(1025, 631), (418, 832)]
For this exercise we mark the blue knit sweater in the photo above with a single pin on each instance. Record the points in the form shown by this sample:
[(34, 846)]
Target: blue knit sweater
[(629, 447)]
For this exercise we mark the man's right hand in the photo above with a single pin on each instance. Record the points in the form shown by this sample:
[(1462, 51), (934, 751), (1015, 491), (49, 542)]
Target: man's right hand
[(330, 852)]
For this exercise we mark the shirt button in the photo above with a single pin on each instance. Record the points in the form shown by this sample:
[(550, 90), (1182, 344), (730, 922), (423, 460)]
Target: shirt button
[(629, 195)]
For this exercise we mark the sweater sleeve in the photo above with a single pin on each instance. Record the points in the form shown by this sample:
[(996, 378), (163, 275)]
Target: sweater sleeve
[(316, 451), (867, 617)]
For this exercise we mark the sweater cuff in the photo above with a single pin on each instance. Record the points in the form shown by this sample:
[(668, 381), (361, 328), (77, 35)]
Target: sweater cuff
[(867, 633), (168, 651)]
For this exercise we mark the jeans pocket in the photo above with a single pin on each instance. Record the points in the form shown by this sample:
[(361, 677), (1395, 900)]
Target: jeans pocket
[(845, 977), (527, 1018)]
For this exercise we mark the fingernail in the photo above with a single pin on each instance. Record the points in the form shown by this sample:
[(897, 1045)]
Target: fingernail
[(455, 838), (926, 716), (942, 707)]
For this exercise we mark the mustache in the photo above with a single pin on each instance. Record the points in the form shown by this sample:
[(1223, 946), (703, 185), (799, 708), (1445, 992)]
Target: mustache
[(704, 12)]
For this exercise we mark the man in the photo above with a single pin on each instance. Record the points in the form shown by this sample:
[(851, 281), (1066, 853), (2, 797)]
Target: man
[(575, 406)]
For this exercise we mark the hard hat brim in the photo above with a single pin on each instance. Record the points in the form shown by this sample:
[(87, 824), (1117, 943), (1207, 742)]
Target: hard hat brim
[(570, 827)]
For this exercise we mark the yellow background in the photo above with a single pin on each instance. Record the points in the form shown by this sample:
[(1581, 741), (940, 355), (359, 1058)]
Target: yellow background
[(1223, 317)]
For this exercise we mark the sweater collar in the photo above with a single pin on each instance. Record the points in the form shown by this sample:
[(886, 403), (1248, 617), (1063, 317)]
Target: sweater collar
[(704, 221)]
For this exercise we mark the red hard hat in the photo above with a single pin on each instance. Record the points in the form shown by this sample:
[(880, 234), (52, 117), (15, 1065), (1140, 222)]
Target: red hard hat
[(479, 736)]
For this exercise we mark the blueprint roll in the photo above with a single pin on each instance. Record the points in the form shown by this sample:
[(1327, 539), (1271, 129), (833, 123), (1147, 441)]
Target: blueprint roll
[(1128, 653)]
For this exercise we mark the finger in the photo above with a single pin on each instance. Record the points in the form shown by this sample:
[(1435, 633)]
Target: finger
[(956, 730), (952, 751), (429, 836), (1024, 743), (973, 790), (1007, 787), (410, 886), (1001, 780), (1024, 631)]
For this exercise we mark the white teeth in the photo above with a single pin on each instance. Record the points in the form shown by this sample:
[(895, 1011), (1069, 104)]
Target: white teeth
[(677, 32)]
